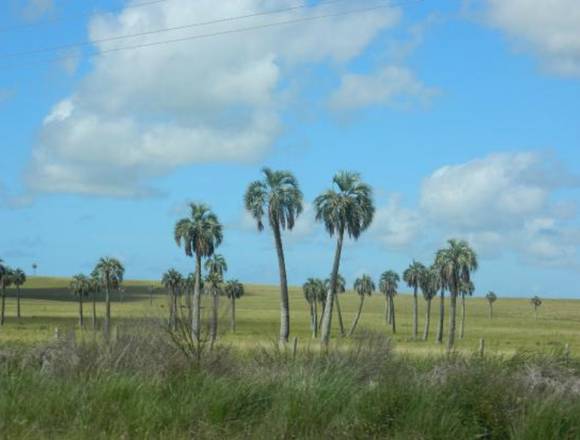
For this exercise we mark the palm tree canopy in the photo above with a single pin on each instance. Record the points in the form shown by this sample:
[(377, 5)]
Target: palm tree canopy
[(467, 288), (109, 270), (455, 264), (340, 284), (430, 282), (172, 279), (364, 285), (389, 283), (347, 206), (412, 275), (234, 289), (491, 297), (80, 285), (278, 195), (201, 233), (310, 290), (217, 265), (536, 301), (6, 275), (19, 277)]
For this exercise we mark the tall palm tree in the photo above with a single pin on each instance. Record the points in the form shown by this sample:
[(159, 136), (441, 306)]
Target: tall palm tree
[(491, 298), (6, 277), (455, 264), (363, 286), (412, 276), (234, 290), (200, 235), (172, 281), (80, 287), (110, 273), (19, 278), (466, 289), (279, 197), (347, 207), (430, 284), (536, 302), (216, 266), (340, 288), (388, 285)]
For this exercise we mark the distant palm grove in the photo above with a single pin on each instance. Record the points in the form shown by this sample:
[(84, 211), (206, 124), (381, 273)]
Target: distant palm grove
[(346, 209)]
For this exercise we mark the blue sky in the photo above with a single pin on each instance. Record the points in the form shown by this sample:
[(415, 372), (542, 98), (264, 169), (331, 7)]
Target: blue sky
[(463, 116)]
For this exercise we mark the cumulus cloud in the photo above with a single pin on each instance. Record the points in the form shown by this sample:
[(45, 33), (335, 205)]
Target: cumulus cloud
[(390, 85), (140, 114), (549, 28)]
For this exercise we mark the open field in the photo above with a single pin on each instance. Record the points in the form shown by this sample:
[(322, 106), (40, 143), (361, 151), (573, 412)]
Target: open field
[(48, 304)]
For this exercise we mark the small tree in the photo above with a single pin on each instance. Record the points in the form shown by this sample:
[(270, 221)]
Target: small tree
[(430, 283), (80, 287), (491, 298), (216, 266), (536, 302), (340, 288), (388, 286), (172, 281), (234, 290), (110, 273), (363, 286), (412, 276), (311, 295), (19, 278)]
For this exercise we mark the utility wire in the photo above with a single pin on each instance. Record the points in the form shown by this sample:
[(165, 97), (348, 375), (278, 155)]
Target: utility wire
[(302, 5), (220, 33)]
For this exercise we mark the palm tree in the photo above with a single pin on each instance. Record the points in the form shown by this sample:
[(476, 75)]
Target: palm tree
[(388, 286), (412, 276), (310, 290), (278, 195), (346, 207), (430, 284), (6, 277), (19, 278), (340, 288), (80, 286), (190, 289), (200, 234), (216, 266), (96, 288), (234, 290), (491, 298), (110, 273), (455, 264), (172, 281), (363, 286), (466, 289), (536, 302)]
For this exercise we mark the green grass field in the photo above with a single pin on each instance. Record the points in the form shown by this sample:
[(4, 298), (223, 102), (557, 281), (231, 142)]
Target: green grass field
[(47, 304)]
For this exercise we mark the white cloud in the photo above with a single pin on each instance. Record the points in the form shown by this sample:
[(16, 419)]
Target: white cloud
[(551, 28), (396, 226), (390, 85), (142, 113)]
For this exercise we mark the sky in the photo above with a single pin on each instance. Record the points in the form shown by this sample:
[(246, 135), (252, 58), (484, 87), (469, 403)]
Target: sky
[(462, 115)]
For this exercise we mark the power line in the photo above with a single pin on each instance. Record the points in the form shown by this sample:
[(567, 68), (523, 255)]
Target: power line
[(75, 16), (220, 33), (302, 5)]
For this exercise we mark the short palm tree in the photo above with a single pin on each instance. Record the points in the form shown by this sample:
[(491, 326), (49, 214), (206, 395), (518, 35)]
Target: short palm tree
[(6, 278), (340, 288), (491, 298), (19, 278), (200, 235), (467, 289), (234, 290), (172, 280), (109, 272), (388, 285), (412, 276), (279, 197), (96, 288), (80, 287), (430, 284), (216, 267), (456, 264), (363, 286), (536, 302), (347, 207), (311, 295)]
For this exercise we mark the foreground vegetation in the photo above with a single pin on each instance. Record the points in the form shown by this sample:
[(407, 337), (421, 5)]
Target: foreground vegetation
[(142, 385)]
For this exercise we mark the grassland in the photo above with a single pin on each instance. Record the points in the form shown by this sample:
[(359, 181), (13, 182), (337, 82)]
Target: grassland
[(47, 304)]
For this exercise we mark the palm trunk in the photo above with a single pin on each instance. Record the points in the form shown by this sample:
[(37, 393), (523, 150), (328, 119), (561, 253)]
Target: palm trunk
[(3, 310), (214, 317), (233, 324), (387, 311), (18, 302), (490, 311), (327, 318), (94, 312), (107, 310), (427, 320), (415, 314), (356, 319), (339, 314), (312, 324), (81, 317), (284, 303), (462, 329), (452, 322), (189, 304), (174, 311), (441, 318), (196, 310), (392, 315), (315, 334)]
